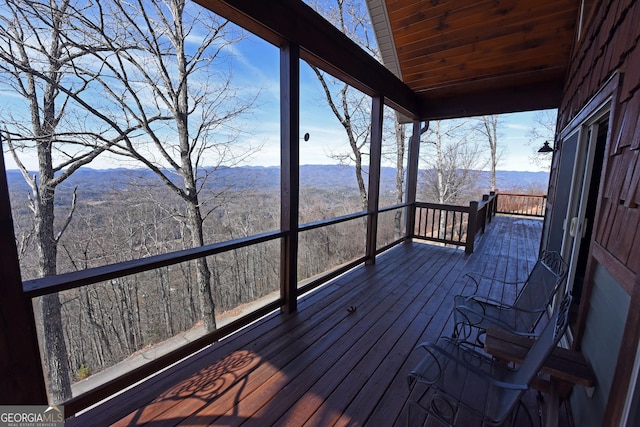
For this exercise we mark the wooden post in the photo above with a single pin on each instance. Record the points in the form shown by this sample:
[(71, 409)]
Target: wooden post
[(472, 226), (289, 173), (412, 179), (487, 212), (377, 107), (494, 203), (23, 379)]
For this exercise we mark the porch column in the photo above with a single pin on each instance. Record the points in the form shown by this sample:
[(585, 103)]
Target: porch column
[(412, 179), (373, 199), (289, 172), (24, 380)]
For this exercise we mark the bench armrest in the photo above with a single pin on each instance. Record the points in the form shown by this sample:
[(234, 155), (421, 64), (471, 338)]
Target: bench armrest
[(470, 301), (476, 278), (437, 357), (476, 317)]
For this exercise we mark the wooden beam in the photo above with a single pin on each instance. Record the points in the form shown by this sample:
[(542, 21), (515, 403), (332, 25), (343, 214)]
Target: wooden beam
[(412, 178), (23, 379), (321, 44), (491, 100), (373, 199), (289, 172)]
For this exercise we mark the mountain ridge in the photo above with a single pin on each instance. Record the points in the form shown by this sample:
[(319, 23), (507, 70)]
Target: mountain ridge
[(264, 177)]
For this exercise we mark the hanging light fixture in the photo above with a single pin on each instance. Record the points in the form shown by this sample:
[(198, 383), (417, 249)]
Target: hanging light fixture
[(545, 148)]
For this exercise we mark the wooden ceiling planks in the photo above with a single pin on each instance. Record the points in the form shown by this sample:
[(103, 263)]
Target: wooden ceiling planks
[(478, 33), (480, 19), (501, 42), (467, 47)]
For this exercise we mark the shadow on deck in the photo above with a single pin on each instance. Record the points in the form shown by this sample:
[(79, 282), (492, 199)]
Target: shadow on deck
[(343, 358)]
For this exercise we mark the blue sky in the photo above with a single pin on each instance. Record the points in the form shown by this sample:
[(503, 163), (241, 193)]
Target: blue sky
[(255, 67), (327, 135)]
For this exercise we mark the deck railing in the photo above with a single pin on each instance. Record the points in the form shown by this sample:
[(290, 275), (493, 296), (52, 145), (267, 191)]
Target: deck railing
[(447, 224), (94, 276), (522, 204), (452, 224)]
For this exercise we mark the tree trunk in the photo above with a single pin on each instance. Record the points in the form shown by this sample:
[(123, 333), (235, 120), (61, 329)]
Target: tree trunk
[(53, 344), (400, 144), (491, 132), (189, 176), (203, 273)]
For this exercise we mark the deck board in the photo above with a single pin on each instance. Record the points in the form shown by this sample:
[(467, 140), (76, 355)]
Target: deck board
[(324, 365)]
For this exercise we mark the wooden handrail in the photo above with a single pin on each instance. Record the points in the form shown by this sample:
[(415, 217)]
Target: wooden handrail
[(480, 213), (453, 208), (62, 282), (522, 204), (441, 223), (331, 221), (75, 279), (454, 224)]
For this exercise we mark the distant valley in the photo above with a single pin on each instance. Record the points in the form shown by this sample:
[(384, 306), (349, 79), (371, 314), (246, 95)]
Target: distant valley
[(92, 182)]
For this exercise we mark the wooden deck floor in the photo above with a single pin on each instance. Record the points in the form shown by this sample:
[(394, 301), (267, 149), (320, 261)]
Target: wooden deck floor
[(329, 364)]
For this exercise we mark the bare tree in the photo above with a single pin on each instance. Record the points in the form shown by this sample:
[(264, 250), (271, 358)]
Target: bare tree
[(168, 79), (401, 137), (37, 65), (489, 129), (353, 112), (543, 129), (351, 107), (451, 161)]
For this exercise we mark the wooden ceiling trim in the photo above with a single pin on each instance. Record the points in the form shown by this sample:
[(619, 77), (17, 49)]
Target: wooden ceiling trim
[(524, 78), (384, 35), (469, 71), (475, 71), (461, 89), (490, 82), (538, 96)]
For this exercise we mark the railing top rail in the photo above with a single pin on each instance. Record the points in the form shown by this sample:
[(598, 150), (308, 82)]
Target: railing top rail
[(522, 195), (62, 282), (482, 203), (443, 207), (393, 207), (332, 221)]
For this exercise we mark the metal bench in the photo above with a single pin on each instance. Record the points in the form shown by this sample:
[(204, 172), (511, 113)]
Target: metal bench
[(460, 386), (476, 312), (564, 368)]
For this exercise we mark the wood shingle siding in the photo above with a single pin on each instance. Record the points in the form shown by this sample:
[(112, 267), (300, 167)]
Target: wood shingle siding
[(606, 63)]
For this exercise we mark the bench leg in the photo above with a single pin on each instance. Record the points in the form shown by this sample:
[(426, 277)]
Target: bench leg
[(553, 405)]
